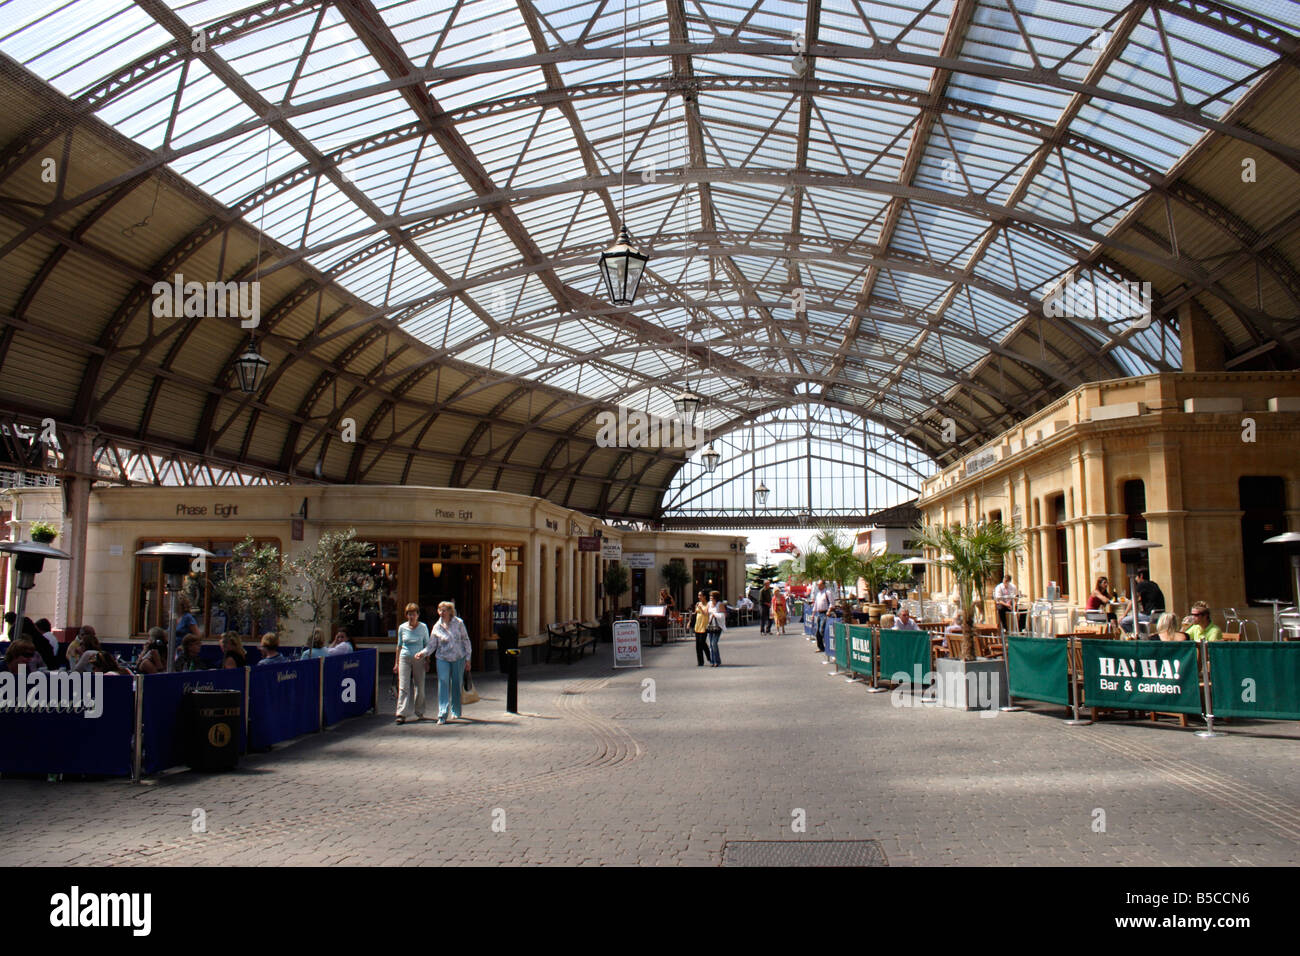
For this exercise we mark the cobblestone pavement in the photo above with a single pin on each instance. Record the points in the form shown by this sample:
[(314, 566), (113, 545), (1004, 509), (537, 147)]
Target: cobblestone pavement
[(598, 773)]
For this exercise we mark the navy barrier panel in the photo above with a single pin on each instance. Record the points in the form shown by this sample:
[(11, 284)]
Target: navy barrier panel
[(71, 742), (284, 701), (349, 689), (163, 746)]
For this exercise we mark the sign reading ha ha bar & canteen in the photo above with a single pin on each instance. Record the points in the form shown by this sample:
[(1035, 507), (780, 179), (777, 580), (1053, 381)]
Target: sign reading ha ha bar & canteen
[(1141, 675), (627, 644)]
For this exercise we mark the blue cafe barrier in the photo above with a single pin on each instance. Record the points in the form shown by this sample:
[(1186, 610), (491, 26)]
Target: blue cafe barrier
[(90, 734), (284, 701), (350, 685), (161, 726)]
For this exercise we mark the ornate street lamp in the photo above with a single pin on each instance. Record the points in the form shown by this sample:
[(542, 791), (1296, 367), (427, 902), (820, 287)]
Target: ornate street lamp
[(687, 403), (250, 367), (711, 458), (621, 265), (760, 494), (803, 516)]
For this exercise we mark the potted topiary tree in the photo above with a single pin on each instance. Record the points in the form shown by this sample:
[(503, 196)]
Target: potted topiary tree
[(616, 585), (332, 573), (254, 586), (676, 577), (972, 554)]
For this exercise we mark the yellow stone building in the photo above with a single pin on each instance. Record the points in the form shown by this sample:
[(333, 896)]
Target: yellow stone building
[(1206, 464)]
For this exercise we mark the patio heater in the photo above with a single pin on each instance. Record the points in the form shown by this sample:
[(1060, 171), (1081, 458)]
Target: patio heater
[(29, 560), (1131, 545), (1292, 538), (177, 561)]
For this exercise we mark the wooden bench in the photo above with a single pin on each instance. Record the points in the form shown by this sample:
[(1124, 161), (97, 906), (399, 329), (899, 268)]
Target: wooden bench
[(569, 638)]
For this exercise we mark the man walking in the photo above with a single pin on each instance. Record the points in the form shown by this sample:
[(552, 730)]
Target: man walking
[(821, 607), (765, 608)]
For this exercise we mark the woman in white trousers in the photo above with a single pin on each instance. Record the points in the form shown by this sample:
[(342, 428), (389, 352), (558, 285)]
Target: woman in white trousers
[(411, 665)]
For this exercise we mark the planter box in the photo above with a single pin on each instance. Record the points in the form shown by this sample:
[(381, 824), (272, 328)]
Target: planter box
[(970, 685)]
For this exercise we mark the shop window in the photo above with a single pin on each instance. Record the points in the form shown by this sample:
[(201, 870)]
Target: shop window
[(1266, 569), (152, 602), (638, 589), (1062, 545), (1135, 524), (710, 575), (507, 584)]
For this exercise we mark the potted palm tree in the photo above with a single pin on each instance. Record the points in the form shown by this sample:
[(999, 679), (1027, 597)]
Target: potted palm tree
[(973, 554), (877, 571)]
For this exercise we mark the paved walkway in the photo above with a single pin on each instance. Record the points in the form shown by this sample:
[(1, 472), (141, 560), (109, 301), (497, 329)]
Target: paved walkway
[(598, 773)]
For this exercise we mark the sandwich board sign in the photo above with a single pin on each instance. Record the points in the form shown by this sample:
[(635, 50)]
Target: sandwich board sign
[(627, 644)]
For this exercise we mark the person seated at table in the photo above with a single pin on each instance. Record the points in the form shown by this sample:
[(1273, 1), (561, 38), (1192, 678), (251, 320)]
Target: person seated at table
[(1203, 628), (315, 646), (106, 663), (1101, 597), (154, 660), (90, 651), (341, 644), (1150, 600), (903, 621), (271, 650), (77, 647), (888, 622), (745, 604), (1167, 629), (46, 630), (232, 651), (187, 658), (887, 597), (20, 652), (1005, 597)]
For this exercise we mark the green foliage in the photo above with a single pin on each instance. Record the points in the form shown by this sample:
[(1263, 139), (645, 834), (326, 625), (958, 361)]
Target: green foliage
[(791, 571), (974, 554), (616, 581), (335, 570), (880, 569), (254, 585), (676, 577), (760, 573), (831, 557), (43, 531)]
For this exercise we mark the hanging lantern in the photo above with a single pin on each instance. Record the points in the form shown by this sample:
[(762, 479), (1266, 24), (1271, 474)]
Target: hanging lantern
[(436, 568), (622, 265), (711, 458), (803, 516), (251, 367), (760, 494), (687, 404)]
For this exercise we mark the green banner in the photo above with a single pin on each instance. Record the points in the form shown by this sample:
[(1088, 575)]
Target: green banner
[(1141, 675), (1255, 679), (1037, 669), (904, 656), (841, 648), (860, 649)]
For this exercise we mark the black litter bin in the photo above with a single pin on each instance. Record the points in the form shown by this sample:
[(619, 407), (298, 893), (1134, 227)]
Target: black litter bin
[(211, 721)]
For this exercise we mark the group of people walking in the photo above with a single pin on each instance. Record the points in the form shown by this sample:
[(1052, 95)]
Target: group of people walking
[(448, 645)]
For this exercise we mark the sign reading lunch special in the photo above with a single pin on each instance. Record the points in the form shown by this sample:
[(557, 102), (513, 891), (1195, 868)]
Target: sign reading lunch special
[(627, 644), (1141, 675)]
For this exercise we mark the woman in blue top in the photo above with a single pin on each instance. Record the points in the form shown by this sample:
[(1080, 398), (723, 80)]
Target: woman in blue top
[(315, 646), (411, 665)]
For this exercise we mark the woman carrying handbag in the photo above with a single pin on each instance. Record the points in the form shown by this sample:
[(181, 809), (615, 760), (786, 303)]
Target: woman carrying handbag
[(450, 646), (701, 628), (717, 624)]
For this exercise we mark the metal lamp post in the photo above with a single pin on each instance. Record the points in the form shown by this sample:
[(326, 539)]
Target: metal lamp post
[(177, 561), (1289, 537), (29, 560), (1131, 544)]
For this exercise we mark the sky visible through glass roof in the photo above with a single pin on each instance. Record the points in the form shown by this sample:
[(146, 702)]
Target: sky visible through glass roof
[(864, 204)]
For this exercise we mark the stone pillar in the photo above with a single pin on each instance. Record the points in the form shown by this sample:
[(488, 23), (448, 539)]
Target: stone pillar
[(1202, 345), (529, 608), (1166, 522), (545, 586), (78, 458)]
